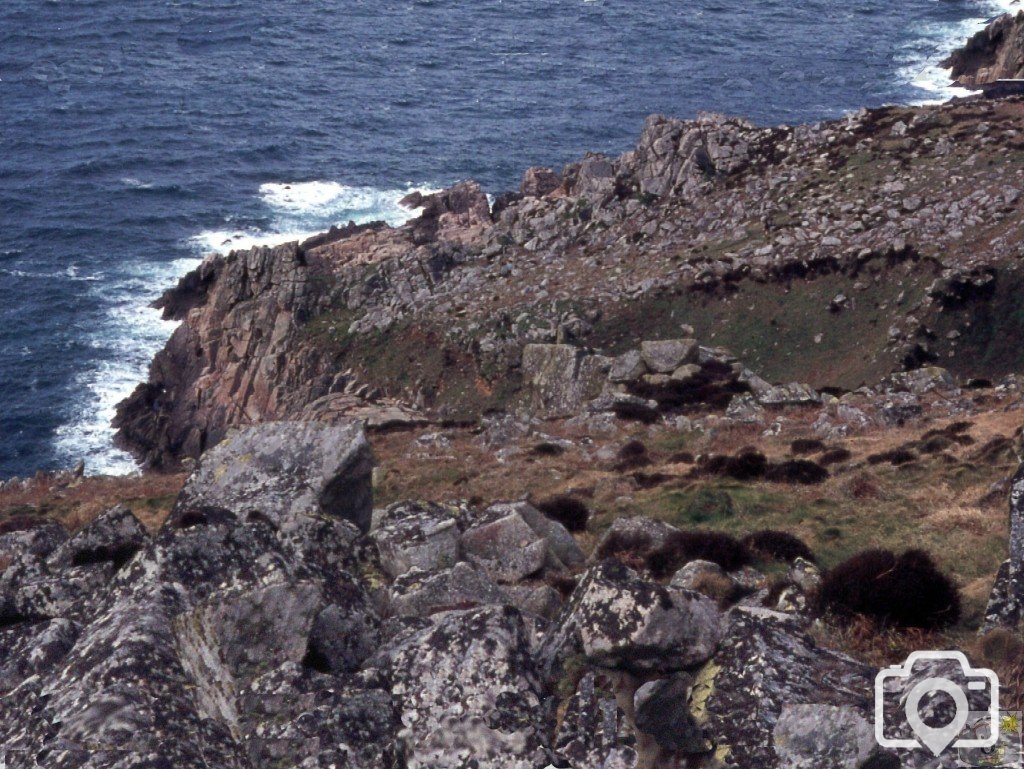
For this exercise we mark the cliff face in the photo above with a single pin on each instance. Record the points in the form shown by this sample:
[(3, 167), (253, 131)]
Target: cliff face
[(853, 249), (994, 53)]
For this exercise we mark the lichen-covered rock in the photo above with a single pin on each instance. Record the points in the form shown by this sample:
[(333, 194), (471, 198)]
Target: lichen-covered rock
[(823, 737), (39, 539), (284, 471), (469, 693), (412, 535), (563, 551), (33, 648), (666, 356), (662, 711), (619, 621), (690, 576), (766, 662), (534, 600), (504, 545), (293, 713), (561, 377), (1006, 601), (594, 727), (421, 594), (345, 632), (114, 537)]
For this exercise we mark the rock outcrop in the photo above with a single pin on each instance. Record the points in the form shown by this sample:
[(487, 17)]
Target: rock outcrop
[(994, 53), (260, 627)]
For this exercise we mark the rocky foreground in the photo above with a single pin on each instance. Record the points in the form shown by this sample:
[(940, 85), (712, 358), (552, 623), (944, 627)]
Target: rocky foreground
[(277, 619)]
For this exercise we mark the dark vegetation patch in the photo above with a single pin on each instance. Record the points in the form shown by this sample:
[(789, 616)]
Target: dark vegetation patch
[(20, 522), (630, 548), (547, 449), (804, 446), (751, 465), (569, 511), (995, 450), (935, 444), (681, 547), (906, 590), (895, 457), (745, 466), (796, 471), (650, 480), (631, 455), (834, 456), (773, 544)]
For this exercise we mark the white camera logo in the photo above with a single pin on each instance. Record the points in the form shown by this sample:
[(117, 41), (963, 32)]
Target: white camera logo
[(937, 739)]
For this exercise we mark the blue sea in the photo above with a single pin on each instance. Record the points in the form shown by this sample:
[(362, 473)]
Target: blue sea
[(137, 136)]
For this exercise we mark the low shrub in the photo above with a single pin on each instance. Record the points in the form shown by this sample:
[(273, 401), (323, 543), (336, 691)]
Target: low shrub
[(20, 523), (548, 449), (797, 471), (802, 446), (651, 480), (894, 457), (719, 587), (906, 590), (631, 455), (777, 545), (630, 548), (834, 456), (567, 510), (684, 546), (745, 466)]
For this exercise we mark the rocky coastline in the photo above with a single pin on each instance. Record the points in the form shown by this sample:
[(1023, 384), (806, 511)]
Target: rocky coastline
[(655, 462)]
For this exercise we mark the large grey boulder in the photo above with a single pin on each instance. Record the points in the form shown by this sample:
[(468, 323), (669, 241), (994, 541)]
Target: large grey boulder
[(49, 576), (667, 355), (766, 663), (594, 729), (414, 535), (618, 620), (285, 471), (115, 537), (301, 718), (561, 377), (421, 594), (504, 545), (563, 551), (823, 737), (156, 673), (469, 693)]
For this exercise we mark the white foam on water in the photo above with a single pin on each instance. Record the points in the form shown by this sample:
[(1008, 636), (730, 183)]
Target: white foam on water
[(303, 209), (925, 70), (133, 332)]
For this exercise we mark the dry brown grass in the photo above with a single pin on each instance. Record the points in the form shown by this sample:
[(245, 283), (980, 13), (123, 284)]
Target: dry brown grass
[(150, 496), (870, 642)]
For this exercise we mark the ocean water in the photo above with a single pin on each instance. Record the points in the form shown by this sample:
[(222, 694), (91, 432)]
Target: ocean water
[(135, 137)]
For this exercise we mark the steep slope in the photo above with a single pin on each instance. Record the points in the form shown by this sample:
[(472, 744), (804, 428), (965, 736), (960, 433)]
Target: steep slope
[(831, 254)]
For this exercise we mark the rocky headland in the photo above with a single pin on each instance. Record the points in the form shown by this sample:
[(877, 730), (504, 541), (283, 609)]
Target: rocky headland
[(652, 463)]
